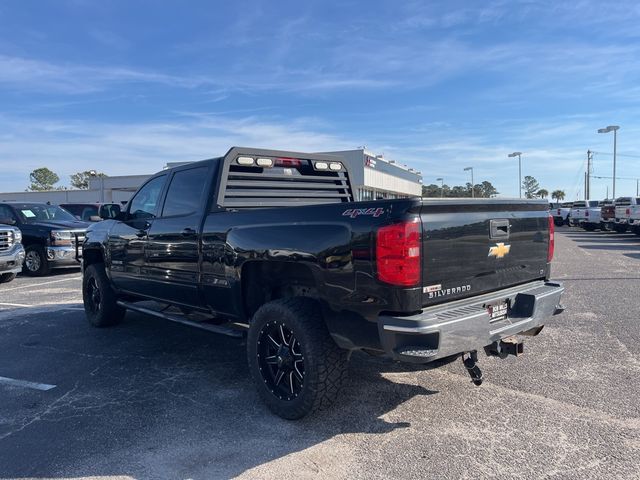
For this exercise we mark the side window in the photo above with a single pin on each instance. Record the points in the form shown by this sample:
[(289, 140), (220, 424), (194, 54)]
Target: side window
[(144, 204), (6, 213), (185, 192)]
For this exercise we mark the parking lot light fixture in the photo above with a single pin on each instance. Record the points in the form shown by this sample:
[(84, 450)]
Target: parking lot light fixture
[(472, 189), (441, 180), (519, 155), (614, 129)]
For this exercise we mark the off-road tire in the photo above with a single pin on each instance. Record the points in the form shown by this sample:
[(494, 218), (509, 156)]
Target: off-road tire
[(325, 364), (35, 261), (103, 310), (7, 277)]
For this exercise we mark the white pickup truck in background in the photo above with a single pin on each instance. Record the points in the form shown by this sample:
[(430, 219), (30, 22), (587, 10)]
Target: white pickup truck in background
[(634, 217), (561, 213), (624, 205), (586, 214)]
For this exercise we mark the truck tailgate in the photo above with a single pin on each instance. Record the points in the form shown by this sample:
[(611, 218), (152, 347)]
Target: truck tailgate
[(472, 247)]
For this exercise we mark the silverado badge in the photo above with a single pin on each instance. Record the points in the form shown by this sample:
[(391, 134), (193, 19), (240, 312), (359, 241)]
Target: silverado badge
[(499, 251)]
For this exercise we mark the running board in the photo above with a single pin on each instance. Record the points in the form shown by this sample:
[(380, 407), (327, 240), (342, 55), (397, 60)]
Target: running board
[(230, 332)]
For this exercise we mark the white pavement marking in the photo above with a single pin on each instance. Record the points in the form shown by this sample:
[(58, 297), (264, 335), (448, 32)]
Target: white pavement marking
[(41, 284), (13, 305), (23, 383)]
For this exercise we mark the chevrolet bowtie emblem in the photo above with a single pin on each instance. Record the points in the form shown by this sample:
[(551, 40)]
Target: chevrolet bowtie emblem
[(499, 251)]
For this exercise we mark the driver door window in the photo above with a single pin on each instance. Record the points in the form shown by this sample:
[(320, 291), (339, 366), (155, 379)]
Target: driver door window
[(144, 204)]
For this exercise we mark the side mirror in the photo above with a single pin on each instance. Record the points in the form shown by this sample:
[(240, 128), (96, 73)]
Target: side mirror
[(109, 211), (7, 221)]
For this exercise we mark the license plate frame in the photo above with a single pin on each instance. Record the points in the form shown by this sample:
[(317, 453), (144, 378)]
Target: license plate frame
[(498, 311)]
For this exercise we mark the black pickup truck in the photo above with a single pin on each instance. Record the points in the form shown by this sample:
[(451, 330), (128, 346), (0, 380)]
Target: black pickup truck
[(51, 236), (272, 243)]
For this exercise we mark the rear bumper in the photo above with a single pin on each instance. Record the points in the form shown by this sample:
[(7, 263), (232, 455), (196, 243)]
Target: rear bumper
[(463, 326), (11, 260)]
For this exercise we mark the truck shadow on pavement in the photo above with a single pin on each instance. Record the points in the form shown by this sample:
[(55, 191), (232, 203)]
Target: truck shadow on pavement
[(151, 399)]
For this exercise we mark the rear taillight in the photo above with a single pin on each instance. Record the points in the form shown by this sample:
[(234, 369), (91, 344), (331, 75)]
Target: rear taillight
[(586, 213), (628, 211), (558, 211), (398, 254), (552, 239)]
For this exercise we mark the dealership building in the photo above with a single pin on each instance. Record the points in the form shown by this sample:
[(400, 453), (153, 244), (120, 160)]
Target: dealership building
[(372, 177)]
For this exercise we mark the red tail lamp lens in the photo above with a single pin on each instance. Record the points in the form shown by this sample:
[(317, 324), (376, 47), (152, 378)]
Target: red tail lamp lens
[(398, 254)]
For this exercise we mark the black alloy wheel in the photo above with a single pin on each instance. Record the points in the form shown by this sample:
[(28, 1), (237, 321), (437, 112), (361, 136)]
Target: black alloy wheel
[(295, 364), (280, 360), (100, 300), (94, 299)]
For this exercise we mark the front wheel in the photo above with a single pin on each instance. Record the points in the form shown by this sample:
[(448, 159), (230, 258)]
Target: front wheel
[(294, 362), (100, 301), (7, 277), (35, 261)]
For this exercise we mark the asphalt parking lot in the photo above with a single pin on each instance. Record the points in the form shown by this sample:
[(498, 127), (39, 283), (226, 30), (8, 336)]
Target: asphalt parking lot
[(151, 399)]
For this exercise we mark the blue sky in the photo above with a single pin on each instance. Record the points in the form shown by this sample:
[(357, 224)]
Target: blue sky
[(124, 87)]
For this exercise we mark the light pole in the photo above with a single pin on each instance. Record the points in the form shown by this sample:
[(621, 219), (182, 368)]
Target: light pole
[(441, 180), (472, 189), (614, 129), (519, 155)]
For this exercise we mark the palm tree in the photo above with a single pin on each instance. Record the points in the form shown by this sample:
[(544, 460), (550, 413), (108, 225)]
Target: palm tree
[(543, 193), (558, 195)]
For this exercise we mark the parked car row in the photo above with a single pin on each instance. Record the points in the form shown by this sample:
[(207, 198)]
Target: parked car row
[(36, 237), (619, 215)]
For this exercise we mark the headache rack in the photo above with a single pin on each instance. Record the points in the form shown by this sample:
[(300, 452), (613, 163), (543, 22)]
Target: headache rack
[(253, 178)]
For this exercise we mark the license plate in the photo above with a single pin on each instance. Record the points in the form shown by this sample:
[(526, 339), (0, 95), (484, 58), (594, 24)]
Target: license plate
[(498, 311)]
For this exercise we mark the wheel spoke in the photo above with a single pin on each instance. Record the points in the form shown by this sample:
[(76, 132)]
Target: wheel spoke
[(272, 360), (284, 338), (279, 377), (275, 344), (291, 381), (298, 374)]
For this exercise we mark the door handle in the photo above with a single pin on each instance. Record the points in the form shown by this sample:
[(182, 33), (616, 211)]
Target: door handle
[(188, 232)]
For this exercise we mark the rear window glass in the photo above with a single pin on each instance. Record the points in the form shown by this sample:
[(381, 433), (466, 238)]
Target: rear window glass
[(579, 204), (567, 205), (185, 192), (594, 203), (623, 201)]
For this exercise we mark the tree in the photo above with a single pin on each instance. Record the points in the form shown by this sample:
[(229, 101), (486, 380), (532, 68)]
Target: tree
[(42, 179), (543, 193), (558, 195), (81, 179), (487, 190), (530, 186)]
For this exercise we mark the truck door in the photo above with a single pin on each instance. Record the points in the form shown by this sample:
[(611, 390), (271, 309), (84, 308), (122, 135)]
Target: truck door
[(128, 238), (173, 244)]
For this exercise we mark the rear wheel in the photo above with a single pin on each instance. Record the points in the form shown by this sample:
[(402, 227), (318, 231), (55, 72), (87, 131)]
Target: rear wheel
[(7, 277), (620, 228), (35, 261), (100, 301), (589, 227), (294, 362)]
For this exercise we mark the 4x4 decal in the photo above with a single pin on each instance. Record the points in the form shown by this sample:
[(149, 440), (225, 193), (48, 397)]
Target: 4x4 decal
[(355, 212)]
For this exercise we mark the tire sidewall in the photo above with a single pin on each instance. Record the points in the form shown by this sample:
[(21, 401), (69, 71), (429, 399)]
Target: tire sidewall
[(277, 312), (109, 313)]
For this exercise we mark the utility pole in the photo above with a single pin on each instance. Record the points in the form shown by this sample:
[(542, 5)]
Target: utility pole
[(587, 185)]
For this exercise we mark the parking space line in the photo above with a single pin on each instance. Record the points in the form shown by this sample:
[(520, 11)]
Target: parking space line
[(14, 305), (41, 284), (24, 383)]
